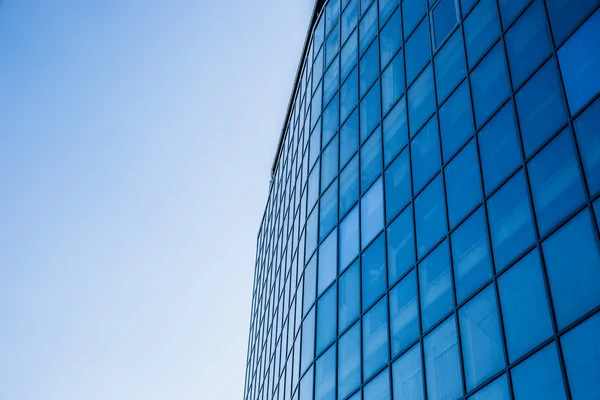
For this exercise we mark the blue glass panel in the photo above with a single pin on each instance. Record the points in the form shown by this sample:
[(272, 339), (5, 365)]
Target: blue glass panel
[(310, 284), (349, 95), (371, 161), (371, 213), (540, 107), (597, 211), (421, 101), (312, 233), (316, 106), (573, 262), (510, 9), (456, 121), (332, 14), (367, 28), (565, 15), (349, 186), (555, 182), (418, 51), (539, 377), (397, 186), (467, 5), (445, 17), (317, 72), (450, 65), (528, 42), (379, 387), (308, 339), (482, 28), (307, 386), (315, 146), (329, 163), (331, 120), (430, 213), (329, 210), (435, 281), (349, 19), (392, 82), (349, 309), (349, 238), (395, 131), (581, 350), (511, 226), (373, 272), (390, 38), (471, 255), (588, 137), (412, 12), (425, 153), (525, 309), (349, 361), (332, 45), (499, 147), (375, 339), (369, 68), (327, 261), (331, 81), (349, 55), (444, 379), (325, 376), (370, 112), (319, 34), (326, 318), (349, 138), (404, 313), (407, 375), (489, 84), (385, 9), (497, 390), (483, 352), (463, 183), (401, 245)]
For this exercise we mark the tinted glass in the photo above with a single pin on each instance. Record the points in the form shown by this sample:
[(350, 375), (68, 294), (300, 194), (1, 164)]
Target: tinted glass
[(349, 55), (331, 121), (510, 9), (367, 27), (425, 154), (331, 81), (392, 82), (370, 111), (395, 131), (308, 339), (326, 317), (329, 163), (435, 281), (397, 185), (588, 137), (390, 38), (349, 308), (379, 387), (375, 338), (349, 19), (412, 12), (565, 15), (482, 28), (445, 17), (349, 138), (327, 261), (404, 313), (539, 377), (450, 65), (407, 375), (310, 284), (401, 245), (497, 390), (349, 361), (371, 212), (463, 183), (371, 160), (456, 121), (373, 272), (421, 100), (349, 238), (307, 386), (369, 68), (325, 376), (418, 51), (430, 215), (349, 186), (489, 84), (329, 211), (444, 379)]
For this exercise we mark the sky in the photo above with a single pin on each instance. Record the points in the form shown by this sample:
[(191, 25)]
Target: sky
[(136, 141)]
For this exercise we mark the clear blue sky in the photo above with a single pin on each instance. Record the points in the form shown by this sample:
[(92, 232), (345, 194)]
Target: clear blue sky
[(136, 139)]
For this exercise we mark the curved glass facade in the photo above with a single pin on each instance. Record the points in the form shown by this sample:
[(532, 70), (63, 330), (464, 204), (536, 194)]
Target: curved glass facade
[(432, 224)]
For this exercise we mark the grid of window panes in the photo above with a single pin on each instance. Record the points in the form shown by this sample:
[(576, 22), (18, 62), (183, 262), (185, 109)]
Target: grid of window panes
[(432, 225)]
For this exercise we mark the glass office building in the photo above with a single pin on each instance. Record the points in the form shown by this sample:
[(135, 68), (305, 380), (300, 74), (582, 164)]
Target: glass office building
[(431, 230)]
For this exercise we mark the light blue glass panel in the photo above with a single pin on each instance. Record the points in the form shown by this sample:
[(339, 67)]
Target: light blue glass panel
[(349, 19), (401, 245), (407, 375), (421, 100), (349, 308), (329, 210), (555, 182), (371, 160), (355, 396), (565, 15), (482, 28), (371, 213), (326, 317), (471, 255), (349, 238), (331, 81), (463, 183), (510, 9), (435, 282), (395, 131), (370, 112), (497, 390), (349, 361), (315, 147), (349, 55), (331, 120), (349, 96), (412, 12), (489, 84), (349, 138), (325, 376), (450, 65), (332, 45), (442, 364), (375, 339), (581, 350), (310, 284), (445, 17), (385, 9), (483, 352), (525, 309), (573, 262), (539, 377), (392, 82), (327, 261), (397, 186), (418, 51), (308, 339), (312, 233), (390, 37), (307, 385), (367, 28), (540, 107), (317, 71), (588, 137), (313, 186), (379, 387), (430, 214), (329, 163), (425, 154), (349, 186), (332, 14), (319, 34), (509, 215), (456, 121), (404, 313), (369, 68), (373, 272)]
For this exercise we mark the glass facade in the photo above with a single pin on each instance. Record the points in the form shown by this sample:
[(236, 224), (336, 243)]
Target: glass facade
[(431, 230)]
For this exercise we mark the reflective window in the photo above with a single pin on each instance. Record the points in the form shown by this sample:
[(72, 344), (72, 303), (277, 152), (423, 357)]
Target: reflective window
[(407, 375), (471, 255), (349, 55), (367, 28), (331, 81), (349, 308), (349, 245), (329, 211), (332, 14), (307, 386), (329, 163), (418, 51), (349, 185), (325, 376), (370, 161), (555, 182), (445, 17), (482, 28), (391, 38), (395, 131), (369, 68), (565, 15), (540, 107), (349, 96), (463, 183), (435, 281), (327, 261), (375, 339), (450, 65), (499, 148), (331, 120), (316, 77), (456, 121), (425, 153), (379, 387), (370, 111), (588, 137), (511, 226), (312, 233), (421, 101), (430, 214), (401, 245), (467, 5), (373, 272), (573, 262), (483, 353), (597, 211), (371, 213), (525, 309), (404, 313), (510, 9), (310, 284), (539, 377), (349, 138), (497, 390), (349, 361), (385, 9), (489, 84), (326, 318), (581, 350), (308, 339), (444, 378), (412, 12), (315, 146), (333, 44), (319, 34), (392, 82), (397, 186), (349, 19)]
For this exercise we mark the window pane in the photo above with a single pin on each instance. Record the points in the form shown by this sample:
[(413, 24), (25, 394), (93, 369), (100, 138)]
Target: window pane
[(401, 245), (329, 211), (332, 14), (385, 9), (349, 245), (349, 19), (445, 17), (307, 386), (555, 182), (482, 28), (524, 304), (391, 38), (430, 213), (471, 255), (588, 137), (539, 377), (331, 81), (327, 261), (373, 272), (313, 186), (489, 84), (329, 163), (418, 51), (467, 5), (392, 81), (450, 65), (499, 148), (371, 161), (581, 350), (349, 185), (317, 70), (395, 131), (308, 339), (333, 44), (483, 353), (573, 263), (435, 280), (325, 376), (412, 12), (370, 112), (456, 121), (510, 9), (444, 379), (565, 15), (421, 100), (379, 387), (369, 68), (407, 375), (349, 138), (349, 300), (349, 361), (331, 121), (511, 226), (497, 390), (404, 313), (315, 146), (375, 339), (310, 284), (463, 184), (326, 317), (371, 211), (397, 185), (540, 107), (367, 27), (425, 153), (349, 55)]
